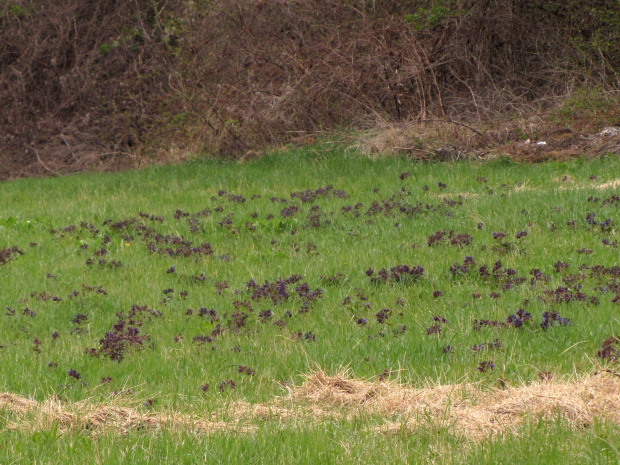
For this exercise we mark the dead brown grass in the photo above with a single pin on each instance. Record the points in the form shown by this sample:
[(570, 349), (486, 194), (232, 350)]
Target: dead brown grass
[(533, 139), (465, 408), (32, 416), (610, 185), (15, 403), (426, 139)]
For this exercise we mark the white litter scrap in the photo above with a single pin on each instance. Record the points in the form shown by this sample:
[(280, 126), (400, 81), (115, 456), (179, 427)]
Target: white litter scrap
[(610, 131)]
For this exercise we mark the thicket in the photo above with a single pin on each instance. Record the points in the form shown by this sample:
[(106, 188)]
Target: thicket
[(104, 83)]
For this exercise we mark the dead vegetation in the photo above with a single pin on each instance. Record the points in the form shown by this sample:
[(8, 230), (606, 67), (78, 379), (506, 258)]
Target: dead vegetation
[(465, 408), (531, 139), (95, 418), (116, 84)]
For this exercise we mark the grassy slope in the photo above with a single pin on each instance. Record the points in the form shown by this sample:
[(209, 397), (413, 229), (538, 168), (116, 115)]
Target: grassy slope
[(525, 198)]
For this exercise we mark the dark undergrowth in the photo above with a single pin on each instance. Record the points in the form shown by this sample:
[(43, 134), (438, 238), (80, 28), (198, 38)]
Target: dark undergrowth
[(113, 84)]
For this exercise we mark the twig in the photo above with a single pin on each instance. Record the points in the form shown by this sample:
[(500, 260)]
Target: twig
[(70, 149), (36, 152)]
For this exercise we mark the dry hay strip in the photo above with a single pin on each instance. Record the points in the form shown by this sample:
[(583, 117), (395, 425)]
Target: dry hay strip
[(464, 407), (35, 416), (610, 185)]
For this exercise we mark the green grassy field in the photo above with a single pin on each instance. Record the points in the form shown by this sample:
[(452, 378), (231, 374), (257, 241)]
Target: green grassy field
[(186, 289)]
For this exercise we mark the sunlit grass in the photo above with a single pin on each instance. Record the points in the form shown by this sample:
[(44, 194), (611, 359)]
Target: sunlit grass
[(384, 217), (333, 442)]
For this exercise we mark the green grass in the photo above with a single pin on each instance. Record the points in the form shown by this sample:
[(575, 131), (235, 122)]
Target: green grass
[(337, 443), (249, 244)]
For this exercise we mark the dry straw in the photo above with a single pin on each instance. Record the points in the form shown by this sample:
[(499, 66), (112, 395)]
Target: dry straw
[(465, 408)]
